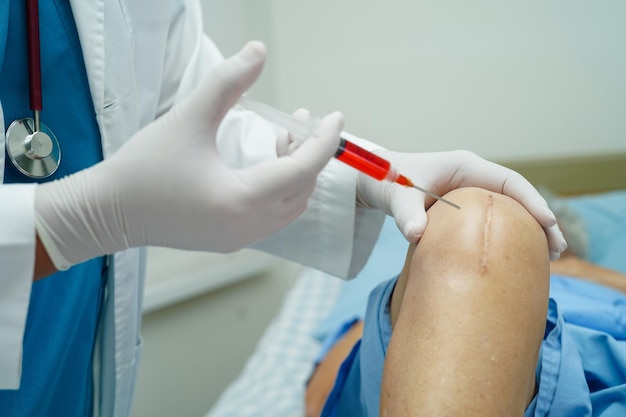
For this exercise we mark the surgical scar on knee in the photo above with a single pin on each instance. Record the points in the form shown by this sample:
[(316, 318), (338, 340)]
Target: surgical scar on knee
[(484, 259)]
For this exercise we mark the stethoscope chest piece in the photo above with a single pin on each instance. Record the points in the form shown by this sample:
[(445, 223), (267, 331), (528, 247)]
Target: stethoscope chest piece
[(34, 152)]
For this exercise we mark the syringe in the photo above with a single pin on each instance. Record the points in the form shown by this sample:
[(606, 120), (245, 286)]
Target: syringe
[(348, 153)]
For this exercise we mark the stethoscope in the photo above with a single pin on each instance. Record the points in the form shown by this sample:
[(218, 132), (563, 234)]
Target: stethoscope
[(31, 145)]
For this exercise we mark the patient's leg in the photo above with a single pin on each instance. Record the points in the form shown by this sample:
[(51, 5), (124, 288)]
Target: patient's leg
[(573, 266), (468, 312)]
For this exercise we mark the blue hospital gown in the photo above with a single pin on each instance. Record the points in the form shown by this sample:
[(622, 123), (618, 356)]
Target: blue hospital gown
[(582, 367)]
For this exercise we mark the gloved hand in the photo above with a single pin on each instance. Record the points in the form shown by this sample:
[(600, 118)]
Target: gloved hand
[(168, 186), (441, 172)]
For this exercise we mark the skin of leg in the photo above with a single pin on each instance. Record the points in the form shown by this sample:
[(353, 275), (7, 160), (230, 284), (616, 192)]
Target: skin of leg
[(573, 266), (468, 312)]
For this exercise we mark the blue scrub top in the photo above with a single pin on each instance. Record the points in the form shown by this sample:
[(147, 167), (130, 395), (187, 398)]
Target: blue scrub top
[(63, 314)]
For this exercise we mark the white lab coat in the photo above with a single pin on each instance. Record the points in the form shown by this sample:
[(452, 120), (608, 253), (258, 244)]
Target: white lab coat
[(141, 57)]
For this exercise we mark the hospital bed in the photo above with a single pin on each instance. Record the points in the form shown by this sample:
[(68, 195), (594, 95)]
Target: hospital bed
[(273, 379)]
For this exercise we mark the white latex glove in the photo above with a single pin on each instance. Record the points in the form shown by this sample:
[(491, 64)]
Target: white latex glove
[(441, 172), (168, 186)]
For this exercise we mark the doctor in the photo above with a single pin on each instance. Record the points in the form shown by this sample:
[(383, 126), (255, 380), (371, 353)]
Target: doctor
[(69, 344)]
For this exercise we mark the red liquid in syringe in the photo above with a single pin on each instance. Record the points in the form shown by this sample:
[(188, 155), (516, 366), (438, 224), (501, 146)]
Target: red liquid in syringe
[(369, 163)]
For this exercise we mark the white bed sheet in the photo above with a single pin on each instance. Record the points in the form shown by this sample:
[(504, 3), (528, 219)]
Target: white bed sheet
[(273, 379)]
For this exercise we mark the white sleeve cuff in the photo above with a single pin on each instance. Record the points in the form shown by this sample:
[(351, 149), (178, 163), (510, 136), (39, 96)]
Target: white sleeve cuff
[(58, 260), (333, 235), (17, 257)]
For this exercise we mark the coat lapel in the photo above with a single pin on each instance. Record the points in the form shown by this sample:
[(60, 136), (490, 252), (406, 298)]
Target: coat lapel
[(89, 18), (109, 61)]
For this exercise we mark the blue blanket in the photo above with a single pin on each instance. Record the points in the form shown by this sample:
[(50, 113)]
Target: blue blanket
[(582, 371)]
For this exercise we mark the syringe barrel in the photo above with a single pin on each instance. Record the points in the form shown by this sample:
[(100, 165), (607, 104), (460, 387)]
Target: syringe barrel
[(365, 161), (349, 153), (300, 129)]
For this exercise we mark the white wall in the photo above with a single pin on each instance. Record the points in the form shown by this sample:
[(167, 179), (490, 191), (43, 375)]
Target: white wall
[(195, 348), (508, 80), (232, 23)]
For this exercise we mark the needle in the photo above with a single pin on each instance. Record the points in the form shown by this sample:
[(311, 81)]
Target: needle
[(438, 197)]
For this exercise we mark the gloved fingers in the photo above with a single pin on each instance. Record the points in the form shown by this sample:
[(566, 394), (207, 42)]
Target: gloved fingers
[(503, 180), (516, 186), (282, 212), (520, 189), (407, 208), (295, 142), (555, 239), (292, 206), (283, 140), (405, 205), (286, 143), (214, 97), (269, 206), (474, 171), (302, 114), (315, 152), (296, 173)]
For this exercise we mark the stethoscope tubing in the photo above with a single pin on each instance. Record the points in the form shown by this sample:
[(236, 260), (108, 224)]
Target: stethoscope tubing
[(32, 147), (34, 55)]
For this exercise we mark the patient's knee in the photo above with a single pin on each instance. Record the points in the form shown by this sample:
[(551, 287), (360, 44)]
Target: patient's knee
[(488, 226), (491, 236)]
